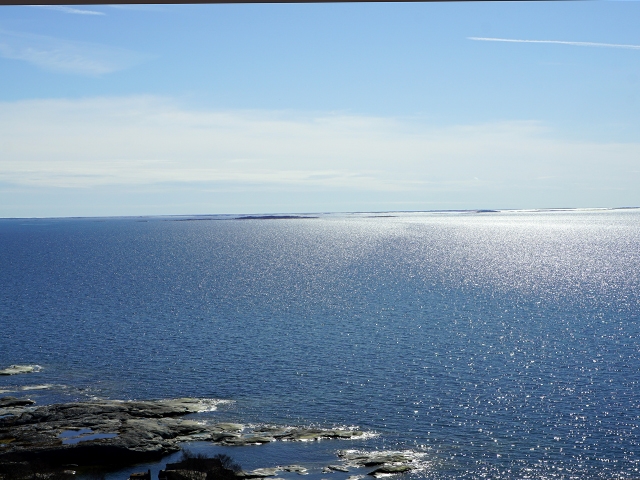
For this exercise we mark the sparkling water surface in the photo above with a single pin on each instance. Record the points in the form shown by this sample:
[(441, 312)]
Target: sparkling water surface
[(500, 345)]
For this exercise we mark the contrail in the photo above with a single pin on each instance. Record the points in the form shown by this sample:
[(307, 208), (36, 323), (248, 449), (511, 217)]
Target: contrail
[(559, 42), (64, 9)]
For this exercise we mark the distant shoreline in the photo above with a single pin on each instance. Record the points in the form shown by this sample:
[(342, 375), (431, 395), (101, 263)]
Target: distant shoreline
[(316, 215)]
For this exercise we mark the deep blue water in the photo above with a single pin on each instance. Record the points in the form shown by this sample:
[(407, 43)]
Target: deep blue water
[(502, 345)]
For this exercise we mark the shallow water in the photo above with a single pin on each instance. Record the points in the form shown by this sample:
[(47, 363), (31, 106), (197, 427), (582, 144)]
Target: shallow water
[(502, 345), (70, 437)]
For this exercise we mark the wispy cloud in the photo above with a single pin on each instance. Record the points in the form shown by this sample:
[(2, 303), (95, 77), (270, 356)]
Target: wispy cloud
[(141, 7), (66, 56), (75, 11), (149, 140), (557, 42)]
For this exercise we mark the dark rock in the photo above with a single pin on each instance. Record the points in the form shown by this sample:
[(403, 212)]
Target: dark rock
[(295, 468), (114, 433), (382, 459), (184, 475), (15, 402), (312, 434), (200, 467), (387, 469), (34, 471), (138, 431), (338, 468), (141, 475)]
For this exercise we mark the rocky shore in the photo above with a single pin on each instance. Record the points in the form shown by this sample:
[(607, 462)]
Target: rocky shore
[(111, 433), (94, 433)]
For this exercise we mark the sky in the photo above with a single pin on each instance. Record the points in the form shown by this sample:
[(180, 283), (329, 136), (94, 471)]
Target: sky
[(295, 108)]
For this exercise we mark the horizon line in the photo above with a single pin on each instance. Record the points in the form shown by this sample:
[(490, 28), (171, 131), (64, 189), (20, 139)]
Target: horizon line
[(290, 215)]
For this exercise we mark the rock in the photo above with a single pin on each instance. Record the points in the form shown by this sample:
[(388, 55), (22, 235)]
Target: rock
[(276, 432), (229, 427), (139, 431), (382, 459), (296, 468), (29, 471), (17, 369), (15, 402), (222, 437), (46, 386), (387, 469), (306, 434), (374, 458), (115, 433), (247, 440), (309, 434), (305, 437), (261, 473), (141, 475), (260, 439), (219, 467), (301, 434), (344, 433), (338, 468), (184, 475), (196, 437)]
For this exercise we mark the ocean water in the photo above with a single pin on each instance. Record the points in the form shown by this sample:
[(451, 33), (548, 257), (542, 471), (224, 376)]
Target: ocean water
[(497, 344)]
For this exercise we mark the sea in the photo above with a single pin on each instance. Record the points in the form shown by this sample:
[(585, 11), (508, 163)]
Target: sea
[(489, 344)]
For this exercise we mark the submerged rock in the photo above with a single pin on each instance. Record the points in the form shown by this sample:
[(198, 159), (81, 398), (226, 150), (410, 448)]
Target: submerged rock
[(17, 369)]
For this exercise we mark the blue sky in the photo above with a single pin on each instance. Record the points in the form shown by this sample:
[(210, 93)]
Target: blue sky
[(193, 109)]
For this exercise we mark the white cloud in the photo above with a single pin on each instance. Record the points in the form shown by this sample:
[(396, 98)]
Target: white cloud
[(65, 56), (558, 42), (149, 140), (75, 11)]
